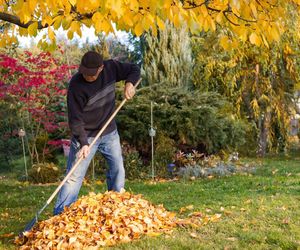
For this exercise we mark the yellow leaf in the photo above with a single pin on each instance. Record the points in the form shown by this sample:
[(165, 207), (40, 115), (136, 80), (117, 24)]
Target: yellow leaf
[(106, 26), (225, 42), (176, 20), (219, 17), (57, 22), (32, 29), (2, 42), (23, 31), (66, 22), (215, 217), (75, 27), (97, 17), (47, 20), (18, 6), (25, 14), (153, 234), (154, 30), (134, 5), (32, 5), (160, 23), (128, 19), (190, 207), (70, 34), (87, 22), (255, 39), (253, 9), (275, 33), (255, 106), (138, 29), (204, 11), (148, 21), (213, 25), (51, 33), (72, 2)]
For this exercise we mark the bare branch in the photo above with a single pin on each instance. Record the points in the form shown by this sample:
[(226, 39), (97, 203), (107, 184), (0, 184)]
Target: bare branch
[(235, 24), (193, 5), (245, 20)]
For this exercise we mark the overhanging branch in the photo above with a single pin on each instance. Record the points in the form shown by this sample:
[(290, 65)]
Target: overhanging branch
[(16, 20)]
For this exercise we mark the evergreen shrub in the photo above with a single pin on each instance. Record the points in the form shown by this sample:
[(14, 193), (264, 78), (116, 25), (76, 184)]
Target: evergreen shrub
[(187, 117)]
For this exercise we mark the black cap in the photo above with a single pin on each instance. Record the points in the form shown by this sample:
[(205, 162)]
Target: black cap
[(90, 63)]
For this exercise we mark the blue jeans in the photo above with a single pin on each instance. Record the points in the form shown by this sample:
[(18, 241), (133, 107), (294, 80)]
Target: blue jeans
[(110, 147)]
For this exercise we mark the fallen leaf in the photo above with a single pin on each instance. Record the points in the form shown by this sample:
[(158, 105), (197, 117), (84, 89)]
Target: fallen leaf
[(231, 238), (195, 214), (193, 235), (105, 219), (183, 209), (99, 220), (9, 235), (286, 221), (226, 212), (215, 217)]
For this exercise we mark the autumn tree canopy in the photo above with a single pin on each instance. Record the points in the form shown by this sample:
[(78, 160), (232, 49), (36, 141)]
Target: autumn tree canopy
[(260, 21)]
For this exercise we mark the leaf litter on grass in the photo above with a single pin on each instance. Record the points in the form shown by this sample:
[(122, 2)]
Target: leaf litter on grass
[(98, 220)]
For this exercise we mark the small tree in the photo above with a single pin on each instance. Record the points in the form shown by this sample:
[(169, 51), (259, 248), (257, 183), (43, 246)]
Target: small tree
[(35, 86), (168, 57)]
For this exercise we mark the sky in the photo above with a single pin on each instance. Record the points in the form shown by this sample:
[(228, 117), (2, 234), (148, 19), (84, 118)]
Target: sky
[(88, 34)]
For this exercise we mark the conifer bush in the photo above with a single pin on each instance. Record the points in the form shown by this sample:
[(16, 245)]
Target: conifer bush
[(188, 118)]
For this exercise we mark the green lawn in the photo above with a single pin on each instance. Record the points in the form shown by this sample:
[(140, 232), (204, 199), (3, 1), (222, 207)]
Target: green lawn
[(261, 211)]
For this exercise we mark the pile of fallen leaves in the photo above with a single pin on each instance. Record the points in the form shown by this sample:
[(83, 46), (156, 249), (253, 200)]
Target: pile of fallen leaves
[(105, 219)]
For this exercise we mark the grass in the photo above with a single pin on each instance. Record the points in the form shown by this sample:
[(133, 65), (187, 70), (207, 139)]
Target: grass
[(260, 211)]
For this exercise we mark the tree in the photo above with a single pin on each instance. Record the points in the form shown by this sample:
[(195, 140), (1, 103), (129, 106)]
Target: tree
[(259, 81), (34, 87), (168, 57), (260, 21)]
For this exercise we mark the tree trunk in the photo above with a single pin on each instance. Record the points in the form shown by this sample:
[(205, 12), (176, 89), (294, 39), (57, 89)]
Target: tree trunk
[(263, 126)]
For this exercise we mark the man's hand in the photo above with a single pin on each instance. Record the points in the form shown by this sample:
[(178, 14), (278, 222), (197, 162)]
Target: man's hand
[(129, 90), (84, 151)]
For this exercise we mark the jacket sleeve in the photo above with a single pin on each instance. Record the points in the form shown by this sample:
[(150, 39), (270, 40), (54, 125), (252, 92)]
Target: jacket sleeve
[(127, 72), (75, 116)]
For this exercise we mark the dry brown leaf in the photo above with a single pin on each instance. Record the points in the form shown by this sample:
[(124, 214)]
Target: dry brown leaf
[(9, 235)]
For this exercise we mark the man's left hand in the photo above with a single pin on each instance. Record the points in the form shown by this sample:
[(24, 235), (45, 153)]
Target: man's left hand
[(129, 90)]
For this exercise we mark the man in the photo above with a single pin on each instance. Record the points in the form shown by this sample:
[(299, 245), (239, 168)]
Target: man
[(91, 101)]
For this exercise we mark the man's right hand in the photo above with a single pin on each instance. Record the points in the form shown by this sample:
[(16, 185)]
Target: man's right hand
[(84, 151)]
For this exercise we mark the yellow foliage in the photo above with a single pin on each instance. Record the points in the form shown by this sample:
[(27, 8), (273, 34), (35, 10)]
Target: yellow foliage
[(160, 23), (255, 39), (57, 22), (32, 29), (75, 27), (32, 5), (138, 29), (66, 22), (51, 33), (73, 2), (70, 34), (225, 42), (262, 19), (255, 107)]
